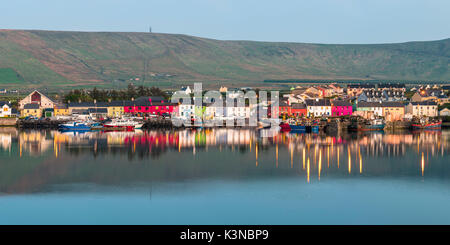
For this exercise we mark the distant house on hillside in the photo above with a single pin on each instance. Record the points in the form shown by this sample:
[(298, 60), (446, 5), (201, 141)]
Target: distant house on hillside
[(186, 90), (430, 94)]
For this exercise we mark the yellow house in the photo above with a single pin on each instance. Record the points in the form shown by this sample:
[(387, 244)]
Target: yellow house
[(116, 108), (393, 111), (31, 110), (61, 110)]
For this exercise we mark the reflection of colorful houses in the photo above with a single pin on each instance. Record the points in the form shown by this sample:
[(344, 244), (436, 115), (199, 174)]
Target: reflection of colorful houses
[(34, 142), (5, 141)]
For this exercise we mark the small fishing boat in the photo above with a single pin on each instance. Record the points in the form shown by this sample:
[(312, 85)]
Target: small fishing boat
[(426, 124), (297, 126), (308, 126), (285, 127), (74, 126), (123, 123), (367, 125)]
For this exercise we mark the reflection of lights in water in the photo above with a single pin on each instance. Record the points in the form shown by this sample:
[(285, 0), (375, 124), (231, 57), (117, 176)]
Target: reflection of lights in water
[(418, 143), (292, 156), (256, 153), (320, 162), (328, 156), (276, 155), (422, 164), (304, 158), (307, 170), (315, 153), (349, 161), (338, 149), (55, 146), (360, 160)]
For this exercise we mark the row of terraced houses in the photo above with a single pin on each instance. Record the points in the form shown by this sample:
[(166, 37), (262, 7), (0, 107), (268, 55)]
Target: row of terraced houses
[(314, 101)]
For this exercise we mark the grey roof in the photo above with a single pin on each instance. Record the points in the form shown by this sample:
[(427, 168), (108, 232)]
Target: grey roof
[(361, 86), (369, 104), (391, 85), (298, 106), (88, 104), (392, 104), (283, 103), (80, 111), (320, 102), (60, 106), (31, 106), (98, 110), (427, 102), (150, 98), (341, 103), (118, 103), (2, 103)]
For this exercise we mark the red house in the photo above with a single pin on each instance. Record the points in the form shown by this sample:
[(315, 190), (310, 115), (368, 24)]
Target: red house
[(298, 110), (284, 108)]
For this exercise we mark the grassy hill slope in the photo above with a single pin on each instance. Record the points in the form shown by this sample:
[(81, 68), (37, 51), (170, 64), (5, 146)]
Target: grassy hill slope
[(51, 58)]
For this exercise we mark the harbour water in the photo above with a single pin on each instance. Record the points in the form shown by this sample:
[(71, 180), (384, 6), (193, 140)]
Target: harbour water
[(224, 176)]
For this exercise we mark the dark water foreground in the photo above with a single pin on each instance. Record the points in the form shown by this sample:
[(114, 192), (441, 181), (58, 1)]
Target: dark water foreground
[(223, 176)]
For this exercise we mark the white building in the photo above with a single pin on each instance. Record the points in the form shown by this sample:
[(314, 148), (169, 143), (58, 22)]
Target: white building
[(424, 108), (369, 109), (318, 107), (6, 109)]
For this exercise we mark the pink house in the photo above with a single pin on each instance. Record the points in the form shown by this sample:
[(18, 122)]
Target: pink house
[(341, 108)]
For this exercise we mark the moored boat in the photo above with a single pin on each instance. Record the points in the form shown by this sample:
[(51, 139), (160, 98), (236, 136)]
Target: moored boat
[(285, 127), (425, 124), (74, 126), (370, 125), (123, 123)]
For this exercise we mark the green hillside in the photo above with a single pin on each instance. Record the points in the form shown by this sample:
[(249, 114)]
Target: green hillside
[(50, 58), (9, 76)]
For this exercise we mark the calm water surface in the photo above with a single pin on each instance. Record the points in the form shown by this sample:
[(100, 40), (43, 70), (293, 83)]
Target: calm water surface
[(223, 176)]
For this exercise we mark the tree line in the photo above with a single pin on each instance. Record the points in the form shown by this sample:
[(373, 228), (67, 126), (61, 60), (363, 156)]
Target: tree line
[(105, 95)]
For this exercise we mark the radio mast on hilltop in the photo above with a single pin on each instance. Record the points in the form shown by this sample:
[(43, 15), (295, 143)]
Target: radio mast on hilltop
[(150, 29)]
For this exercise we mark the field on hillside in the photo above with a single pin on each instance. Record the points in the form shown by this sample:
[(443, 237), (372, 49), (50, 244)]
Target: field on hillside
[(86, 59), (9, 76)]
